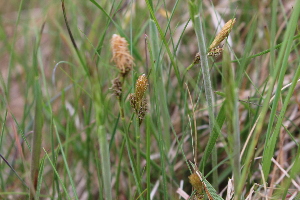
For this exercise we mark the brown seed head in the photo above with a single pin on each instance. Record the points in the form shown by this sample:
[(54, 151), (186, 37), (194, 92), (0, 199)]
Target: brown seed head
[(142, 110), (141, 87), (197, 58), (117, 87), (121, 55), (222, 34), (133, 102), (215, 52)]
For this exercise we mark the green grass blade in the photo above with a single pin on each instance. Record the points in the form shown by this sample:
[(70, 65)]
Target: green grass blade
[(198, 26), (271, 143), (281, 64), (295, 170), (105, 162), (148, 153), (286, 45), (37, 138), (171, 56), (214, 136), (232, 115), (158, 82), (57, 175), (66, 163)]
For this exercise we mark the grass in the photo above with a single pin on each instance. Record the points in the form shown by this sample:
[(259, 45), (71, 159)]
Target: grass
[(63, 135)]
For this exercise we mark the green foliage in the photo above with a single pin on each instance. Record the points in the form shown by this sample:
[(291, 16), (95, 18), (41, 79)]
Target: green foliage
[(63, 129)]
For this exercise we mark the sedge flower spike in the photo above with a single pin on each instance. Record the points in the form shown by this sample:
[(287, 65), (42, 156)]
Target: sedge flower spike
[(137, 100), (141, 87), (121, 55), (117, 87), (222, 34), (198, 187), (215, 52)]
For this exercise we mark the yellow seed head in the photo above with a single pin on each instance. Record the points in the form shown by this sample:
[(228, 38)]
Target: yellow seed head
[(137, 100), (121, 54), (222, 34), (141, 87), (196, 182)]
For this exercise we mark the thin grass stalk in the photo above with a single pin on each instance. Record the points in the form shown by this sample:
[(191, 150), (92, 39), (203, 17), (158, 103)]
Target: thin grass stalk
[(281, 64), (136, 174), (119, 168), (102, 139), (286, 45), (119, 28), (233, 129), (278, 46), (207, 82), (55, 184), (100, 119), (40, 178), (273, 32), (89, 145), (161, 34), (66, 163), (66, 131), (57, 175), (81, 60), (213, 139), (2, 130), (295, 170), (158, 75), (36, 138), (157, 167), (160, 103), (138, 143), (271, 143), (99, 178), (105, 162), (244, 63), (11, 59), (2, 186), (148, 153), (161, 147)]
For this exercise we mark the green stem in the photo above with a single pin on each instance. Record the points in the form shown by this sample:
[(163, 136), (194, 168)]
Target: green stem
[(207, 85), (105, 162), (136, 174), (119, 169), (102, 139), (138, 149), (281, 62), (37, 138), (233, 130), (148, 152)]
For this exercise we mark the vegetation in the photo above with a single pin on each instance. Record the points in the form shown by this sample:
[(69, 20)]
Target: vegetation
[(149, 100)]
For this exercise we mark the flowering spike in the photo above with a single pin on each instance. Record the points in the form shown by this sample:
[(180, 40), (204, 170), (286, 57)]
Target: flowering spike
[(222, 34), (141, 87), (121, 54), (117, 87), (215, 52), (137, 100), (197, 185)]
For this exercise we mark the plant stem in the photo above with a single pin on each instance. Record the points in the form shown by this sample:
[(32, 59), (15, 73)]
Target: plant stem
[(37, 138), (207, 85), (102, 139)]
